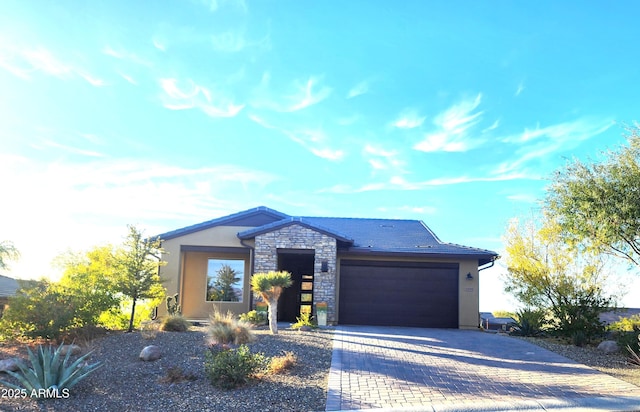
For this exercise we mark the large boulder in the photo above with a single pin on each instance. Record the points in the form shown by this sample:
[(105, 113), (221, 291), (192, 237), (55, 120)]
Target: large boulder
[(150, 353), (74, 349), (608, 346), (9, 364)]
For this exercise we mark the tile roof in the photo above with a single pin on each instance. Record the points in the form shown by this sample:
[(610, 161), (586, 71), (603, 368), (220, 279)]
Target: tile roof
[(359, 235)]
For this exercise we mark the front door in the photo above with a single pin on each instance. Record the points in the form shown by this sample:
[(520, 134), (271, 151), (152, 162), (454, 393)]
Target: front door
[(298, 297)]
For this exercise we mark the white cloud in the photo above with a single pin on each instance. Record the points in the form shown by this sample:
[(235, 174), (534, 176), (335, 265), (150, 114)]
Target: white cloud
[(22, 62), (409, 119), (540, 142), (79, 205), (358, 90), (315, 141), (452, 126), (194, 96), (382, 159), (299, 95)]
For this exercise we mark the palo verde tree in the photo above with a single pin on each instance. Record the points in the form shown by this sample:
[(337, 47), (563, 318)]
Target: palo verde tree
[(597, 203), (137, 265), (91, 279), (269, 286), (544, 273)]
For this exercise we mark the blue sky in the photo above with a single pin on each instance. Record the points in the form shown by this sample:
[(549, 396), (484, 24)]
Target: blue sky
[(168, 114)]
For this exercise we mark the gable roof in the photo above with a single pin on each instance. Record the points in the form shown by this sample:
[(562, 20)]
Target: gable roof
[(257, 216), (397, 237)]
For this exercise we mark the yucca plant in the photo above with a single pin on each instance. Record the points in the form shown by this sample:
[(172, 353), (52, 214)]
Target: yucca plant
[(50, 370)]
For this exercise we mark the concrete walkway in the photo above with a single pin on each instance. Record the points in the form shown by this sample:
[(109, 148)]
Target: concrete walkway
[(454, 370)]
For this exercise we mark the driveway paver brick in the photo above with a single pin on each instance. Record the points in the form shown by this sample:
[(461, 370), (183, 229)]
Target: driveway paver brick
[(394, 368)]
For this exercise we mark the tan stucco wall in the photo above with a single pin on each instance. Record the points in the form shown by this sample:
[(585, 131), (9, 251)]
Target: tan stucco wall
[(468, 294), (175, 273), (194, 286)]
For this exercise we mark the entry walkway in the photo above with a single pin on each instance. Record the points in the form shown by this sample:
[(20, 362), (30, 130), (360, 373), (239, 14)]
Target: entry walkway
[(454, 370)]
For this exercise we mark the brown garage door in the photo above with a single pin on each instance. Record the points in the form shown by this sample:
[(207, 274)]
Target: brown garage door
[(398, 294)]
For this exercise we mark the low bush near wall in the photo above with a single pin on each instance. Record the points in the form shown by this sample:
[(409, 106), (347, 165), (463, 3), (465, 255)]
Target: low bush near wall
[(228, 368)]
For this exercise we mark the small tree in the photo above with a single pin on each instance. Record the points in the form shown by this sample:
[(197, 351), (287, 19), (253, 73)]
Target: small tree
[(547, 274), (138, 263), (269, 286), (7, 252), (222, 288)]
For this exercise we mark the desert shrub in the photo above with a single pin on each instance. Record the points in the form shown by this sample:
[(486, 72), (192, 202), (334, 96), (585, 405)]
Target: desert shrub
[(304, 319), (175, 323), (225, 329), (578, 318), (118, 318), (228, 368), (530, 322), (175, 374), (629, 324), (49, 369), (40, 309), (149, 329), (254, 317), (279, 364)]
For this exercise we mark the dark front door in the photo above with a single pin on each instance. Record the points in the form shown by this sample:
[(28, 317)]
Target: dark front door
[(299, 296)]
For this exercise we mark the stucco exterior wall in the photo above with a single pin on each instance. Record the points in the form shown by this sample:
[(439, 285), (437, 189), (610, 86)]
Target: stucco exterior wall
[(178, 278), (300, 237)]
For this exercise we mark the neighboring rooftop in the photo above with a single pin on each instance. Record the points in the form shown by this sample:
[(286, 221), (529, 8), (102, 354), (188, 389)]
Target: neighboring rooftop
[(8, 286)]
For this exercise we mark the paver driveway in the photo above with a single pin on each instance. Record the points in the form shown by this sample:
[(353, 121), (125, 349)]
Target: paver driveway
[(442, 369)]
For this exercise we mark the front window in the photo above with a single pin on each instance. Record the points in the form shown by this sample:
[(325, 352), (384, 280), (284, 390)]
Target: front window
[(225, 280)]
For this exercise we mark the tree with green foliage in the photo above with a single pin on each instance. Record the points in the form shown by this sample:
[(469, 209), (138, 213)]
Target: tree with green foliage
[(91, 279), (596, 203), (137, 265), (269, 287), (39, 309), (222, 288), (7, 252), (546, 273)]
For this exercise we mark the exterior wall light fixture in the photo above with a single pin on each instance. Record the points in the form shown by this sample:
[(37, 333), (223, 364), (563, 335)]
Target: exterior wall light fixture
[(324, 266), (469, 276)]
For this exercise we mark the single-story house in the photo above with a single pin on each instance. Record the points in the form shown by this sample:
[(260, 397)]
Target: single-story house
[(367, 271)]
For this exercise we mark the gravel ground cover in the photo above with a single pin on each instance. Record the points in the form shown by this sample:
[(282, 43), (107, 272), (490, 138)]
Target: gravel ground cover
[(125, 382), (614, 364)]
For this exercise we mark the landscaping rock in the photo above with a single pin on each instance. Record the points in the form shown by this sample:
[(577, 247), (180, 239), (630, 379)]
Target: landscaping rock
[(305, 328), (9, 364), (608, 346), (150, 353), (74, 349)]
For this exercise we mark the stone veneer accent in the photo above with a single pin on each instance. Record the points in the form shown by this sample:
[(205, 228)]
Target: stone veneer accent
[(299, 237)]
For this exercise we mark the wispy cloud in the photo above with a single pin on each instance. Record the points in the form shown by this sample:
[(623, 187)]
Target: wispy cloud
[(452, 126), (122, 54), (520, 89), (194, 96), (409, 119), (315, 141), (400, 183), (297, 96), (214, 5), (359, 89), (26, 61), (382, 159), (540, 142)]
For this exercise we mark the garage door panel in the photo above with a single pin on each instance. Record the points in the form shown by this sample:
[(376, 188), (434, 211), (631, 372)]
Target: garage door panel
[(399, 293)]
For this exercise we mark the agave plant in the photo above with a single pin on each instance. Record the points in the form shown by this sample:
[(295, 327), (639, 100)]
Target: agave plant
[(49, 369)]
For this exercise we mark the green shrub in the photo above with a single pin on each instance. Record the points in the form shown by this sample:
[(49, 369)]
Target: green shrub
[(50, 370), (225, 329), (578, 318), (228, 368), (304, 319), (530, 322), (40, 310), (175, 323), (254, 317), (629, 324)]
